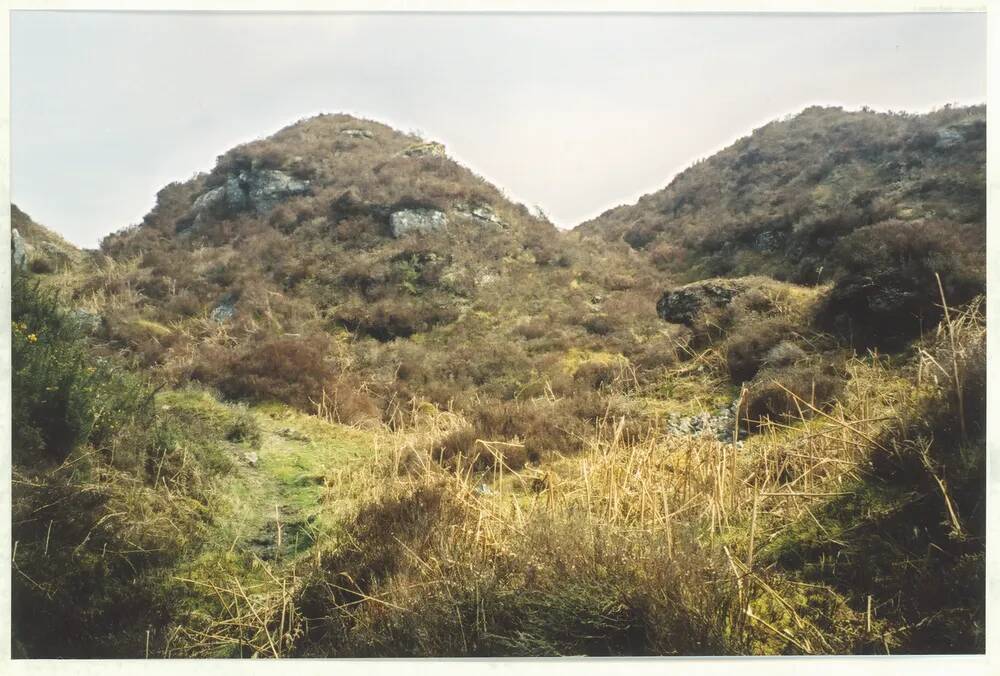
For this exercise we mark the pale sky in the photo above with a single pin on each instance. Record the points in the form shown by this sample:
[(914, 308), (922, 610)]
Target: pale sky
[(573, 113)]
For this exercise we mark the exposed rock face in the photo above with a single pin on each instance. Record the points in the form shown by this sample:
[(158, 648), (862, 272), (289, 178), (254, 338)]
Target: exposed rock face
[(682, 305), (416, 220), (432, 149), (877, 310), (479, 212), (19, 249), (769, 240), (719, 425), (357, 133), (259, 190), (948, 137), (265, 188), (224, 311)]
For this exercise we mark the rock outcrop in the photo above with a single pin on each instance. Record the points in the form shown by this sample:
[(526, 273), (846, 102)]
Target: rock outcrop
[(358, 133), (682, 305), (479, 212), (88, 321), (720, 424), (406, 221), (431, 149), (257, 190), (18, 249), (224, 311)]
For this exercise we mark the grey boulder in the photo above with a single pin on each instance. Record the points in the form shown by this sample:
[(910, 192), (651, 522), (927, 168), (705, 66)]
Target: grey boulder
[(683, 304), (18, 249), (407, 221)]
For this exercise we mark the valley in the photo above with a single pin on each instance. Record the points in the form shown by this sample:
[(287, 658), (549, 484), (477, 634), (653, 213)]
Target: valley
[(339, 397)]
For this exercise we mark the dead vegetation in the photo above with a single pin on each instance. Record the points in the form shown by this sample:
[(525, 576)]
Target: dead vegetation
[(532, 482)]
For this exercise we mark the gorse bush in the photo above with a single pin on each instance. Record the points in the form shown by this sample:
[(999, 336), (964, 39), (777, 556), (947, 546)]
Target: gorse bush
[(63, 396), (107, 493)]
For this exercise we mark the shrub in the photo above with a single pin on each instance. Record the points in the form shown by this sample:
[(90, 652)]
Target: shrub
[(42, 265), (244, 429), (666, 256), (897, 512), (596, 375), (888, 293), (778, 395), (525, 431), (126, 502), (599, 325), (291, 370), (388, 319), (534, 329), (62, 395), (747, 349)]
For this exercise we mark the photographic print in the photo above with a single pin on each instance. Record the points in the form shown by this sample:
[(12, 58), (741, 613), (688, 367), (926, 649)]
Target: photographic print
[(487, 334)]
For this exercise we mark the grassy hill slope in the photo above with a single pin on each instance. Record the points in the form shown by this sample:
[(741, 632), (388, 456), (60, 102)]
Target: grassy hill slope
[(339, 397)]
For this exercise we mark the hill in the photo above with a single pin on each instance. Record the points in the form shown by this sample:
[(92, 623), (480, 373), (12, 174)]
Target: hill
[(37, 247), (779, 200), (881, 205), (342, 264), (338, 396)]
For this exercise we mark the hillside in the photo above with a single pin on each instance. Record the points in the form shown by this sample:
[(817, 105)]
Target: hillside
[(39, 248), (338, 396), (342, 264), (780, 200)]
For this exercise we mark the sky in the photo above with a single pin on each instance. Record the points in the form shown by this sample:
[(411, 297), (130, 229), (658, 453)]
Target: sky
[(571, 113)]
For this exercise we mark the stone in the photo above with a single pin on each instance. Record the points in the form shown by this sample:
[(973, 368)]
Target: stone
[(769, 240), (718, 425), (251, 458), (210, 200), (357, 133), (258, 190), (430, 149), (785, 353), (294, 435), (683, 304), (479, 212), (948, 137), (265, 188), (407, 221), (224, 311), (19, 249)]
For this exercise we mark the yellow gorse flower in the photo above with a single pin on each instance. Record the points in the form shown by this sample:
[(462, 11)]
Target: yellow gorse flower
[(32, 338)]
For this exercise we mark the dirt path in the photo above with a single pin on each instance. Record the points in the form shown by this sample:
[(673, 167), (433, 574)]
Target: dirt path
[(283, 495)]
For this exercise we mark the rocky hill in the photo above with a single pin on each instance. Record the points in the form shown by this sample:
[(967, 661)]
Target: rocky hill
[(36, 247), (303, 259), (875, 203), (779, 200), (339, 396)]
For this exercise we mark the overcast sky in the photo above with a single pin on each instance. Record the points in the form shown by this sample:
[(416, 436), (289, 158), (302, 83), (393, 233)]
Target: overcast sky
[(574, 113)]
